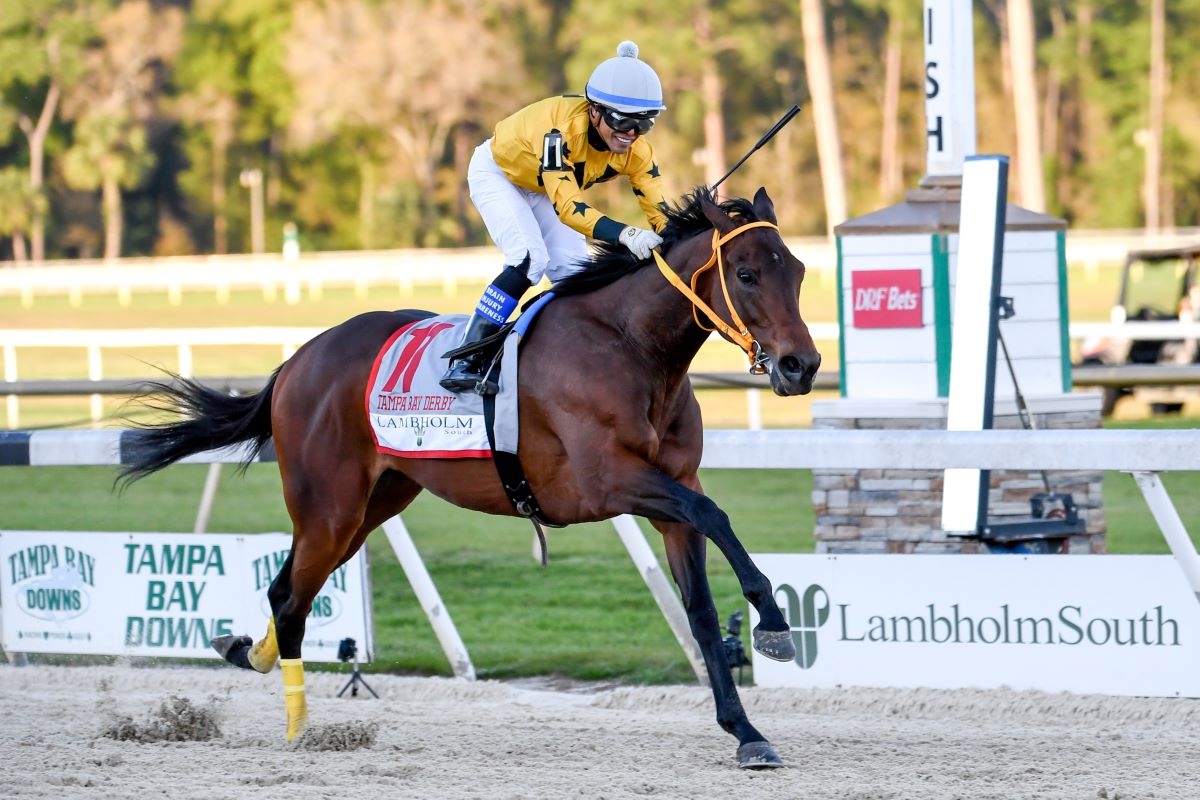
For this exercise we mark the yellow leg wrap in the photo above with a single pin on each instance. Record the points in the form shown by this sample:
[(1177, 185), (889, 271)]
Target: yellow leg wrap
[(293, 696), (265, 652)]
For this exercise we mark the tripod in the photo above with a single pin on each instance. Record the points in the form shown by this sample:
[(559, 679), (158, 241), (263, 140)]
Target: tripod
[(348, 652)]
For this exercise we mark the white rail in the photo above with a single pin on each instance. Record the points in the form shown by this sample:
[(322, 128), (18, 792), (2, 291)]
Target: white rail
[(289, 339), (405, 269)]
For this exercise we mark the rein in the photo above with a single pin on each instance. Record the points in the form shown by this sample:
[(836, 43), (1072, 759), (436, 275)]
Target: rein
[(739, 335)]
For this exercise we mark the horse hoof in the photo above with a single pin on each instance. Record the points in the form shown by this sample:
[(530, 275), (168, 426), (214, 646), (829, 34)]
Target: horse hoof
[(234, 649), (758, 755), (777, 645)]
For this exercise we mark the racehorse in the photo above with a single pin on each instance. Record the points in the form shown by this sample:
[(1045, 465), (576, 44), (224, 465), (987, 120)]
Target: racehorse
[(609, 425)]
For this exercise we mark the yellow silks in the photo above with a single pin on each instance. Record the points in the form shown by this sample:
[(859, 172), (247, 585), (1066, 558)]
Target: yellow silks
[(293, 696), (265, 652)]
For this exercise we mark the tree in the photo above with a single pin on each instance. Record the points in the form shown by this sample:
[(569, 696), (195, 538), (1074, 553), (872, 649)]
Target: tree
[(233, 96), (113, 106), (820, 86), (891, 172), (1025, 105), (365, 71), (20, 205), (1152, 181), (41, 47)]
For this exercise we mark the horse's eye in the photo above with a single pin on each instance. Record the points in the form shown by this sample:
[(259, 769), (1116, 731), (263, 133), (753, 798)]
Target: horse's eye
[(746, 277)]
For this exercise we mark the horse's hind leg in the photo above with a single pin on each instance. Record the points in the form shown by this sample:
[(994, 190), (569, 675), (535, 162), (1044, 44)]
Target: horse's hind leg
[(685, 553), (318, 548)]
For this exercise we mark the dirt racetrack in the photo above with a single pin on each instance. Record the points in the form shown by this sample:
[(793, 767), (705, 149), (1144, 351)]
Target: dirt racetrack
[(194, 732)]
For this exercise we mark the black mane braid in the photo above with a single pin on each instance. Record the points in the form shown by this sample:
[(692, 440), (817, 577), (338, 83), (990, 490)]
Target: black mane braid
[(609, 262)]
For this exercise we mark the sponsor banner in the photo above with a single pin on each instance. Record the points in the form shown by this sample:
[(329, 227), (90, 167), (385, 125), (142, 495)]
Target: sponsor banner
[(162, 594), (1118, 625), (886, 298)]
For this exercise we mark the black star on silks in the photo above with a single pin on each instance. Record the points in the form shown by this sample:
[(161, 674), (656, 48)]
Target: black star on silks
[(638, 193), (580, 208), (609, 174), (565, 178), (653, 173), (555, 206)]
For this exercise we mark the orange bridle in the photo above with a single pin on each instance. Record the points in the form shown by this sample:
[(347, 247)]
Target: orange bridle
[(737, 333)]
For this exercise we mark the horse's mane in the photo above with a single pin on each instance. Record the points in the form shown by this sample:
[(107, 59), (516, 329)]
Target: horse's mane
[(685, 219)]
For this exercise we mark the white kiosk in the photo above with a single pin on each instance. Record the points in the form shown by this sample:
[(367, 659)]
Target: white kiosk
[(897, 271)]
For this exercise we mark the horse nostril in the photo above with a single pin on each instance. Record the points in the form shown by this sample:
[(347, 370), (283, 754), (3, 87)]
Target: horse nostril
[(798, 365)]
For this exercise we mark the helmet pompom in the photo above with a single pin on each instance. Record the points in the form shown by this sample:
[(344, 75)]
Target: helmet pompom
[(628, 49)]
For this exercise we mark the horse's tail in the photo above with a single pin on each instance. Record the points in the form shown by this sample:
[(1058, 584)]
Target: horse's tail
[(210, 420)]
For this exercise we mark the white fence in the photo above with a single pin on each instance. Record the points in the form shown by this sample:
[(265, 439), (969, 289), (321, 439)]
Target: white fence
[(288, 339), (93, 342), (1145, 454), (272, 274)]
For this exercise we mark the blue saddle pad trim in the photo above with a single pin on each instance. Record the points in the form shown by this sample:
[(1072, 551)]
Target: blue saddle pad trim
[(526, 319)]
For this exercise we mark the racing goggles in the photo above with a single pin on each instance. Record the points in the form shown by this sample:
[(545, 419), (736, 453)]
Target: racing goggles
[(624, 123)]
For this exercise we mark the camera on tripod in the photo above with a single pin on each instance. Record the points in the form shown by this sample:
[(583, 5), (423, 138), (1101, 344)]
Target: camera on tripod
[(348, 651), (735, 651)]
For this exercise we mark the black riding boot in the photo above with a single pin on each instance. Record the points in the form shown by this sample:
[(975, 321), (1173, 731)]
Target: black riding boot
[(465, 373)]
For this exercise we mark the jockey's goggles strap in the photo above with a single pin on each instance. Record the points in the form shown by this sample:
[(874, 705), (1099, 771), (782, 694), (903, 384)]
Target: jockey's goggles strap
[(739, 335)]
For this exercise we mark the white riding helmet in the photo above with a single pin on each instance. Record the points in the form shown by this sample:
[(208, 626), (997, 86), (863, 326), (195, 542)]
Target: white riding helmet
[(626, 84)]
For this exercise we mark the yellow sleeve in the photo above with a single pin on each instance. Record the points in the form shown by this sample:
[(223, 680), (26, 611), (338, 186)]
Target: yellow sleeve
[(647, 184), (567, 196)]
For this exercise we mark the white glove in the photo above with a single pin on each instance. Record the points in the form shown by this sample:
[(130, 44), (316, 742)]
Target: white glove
[(639, 241)]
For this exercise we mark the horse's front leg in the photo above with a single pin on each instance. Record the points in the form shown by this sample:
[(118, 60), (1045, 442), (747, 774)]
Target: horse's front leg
[(661, 498), (685, 553)]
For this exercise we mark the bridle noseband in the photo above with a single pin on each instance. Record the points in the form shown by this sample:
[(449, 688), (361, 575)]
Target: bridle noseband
[(739, 335)]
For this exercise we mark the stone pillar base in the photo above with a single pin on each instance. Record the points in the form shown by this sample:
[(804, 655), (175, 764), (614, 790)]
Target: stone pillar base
[(899, 511)]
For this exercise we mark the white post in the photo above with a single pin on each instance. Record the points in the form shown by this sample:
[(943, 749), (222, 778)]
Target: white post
[(754, 409), (15, 659), (185, 360), (973, 335), (95, 373), (1171, 526), (647, 565), (10, 374), (211, 481), (428, 597), (949, 86)]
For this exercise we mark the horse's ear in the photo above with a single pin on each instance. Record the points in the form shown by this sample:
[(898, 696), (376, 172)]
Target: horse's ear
[(719, 219), (763, 207)]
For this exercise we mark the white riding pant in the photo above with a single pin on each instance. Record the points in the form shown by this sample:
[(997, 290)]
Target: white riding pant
[(520, 221)]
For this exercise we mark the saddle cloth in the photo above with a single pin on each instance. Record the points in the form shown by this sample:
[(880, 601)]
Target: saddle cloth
[(411, 415)]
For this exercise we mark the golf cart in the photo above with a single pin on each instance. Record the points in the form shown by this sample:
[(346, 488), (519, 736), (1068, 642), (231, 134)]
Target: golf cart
[(1156, 285)]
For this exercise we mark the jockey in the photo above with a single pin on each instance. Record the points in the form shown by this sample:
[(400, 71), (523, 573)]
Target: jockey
[(527, 182)]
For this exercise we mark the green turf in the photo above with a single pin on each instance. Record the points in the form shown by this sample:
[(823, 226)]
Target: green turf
[(588, 615)]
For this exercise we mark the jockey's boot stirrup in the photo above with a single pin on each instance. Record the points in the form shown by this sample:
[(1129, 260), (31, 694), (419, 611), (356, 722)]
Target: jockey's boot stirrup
[(466, 373)]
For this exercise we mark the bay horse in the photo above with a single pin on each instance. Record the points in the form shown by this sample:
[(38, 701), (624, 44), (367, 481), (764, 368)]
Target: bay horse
[(609, 425)]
